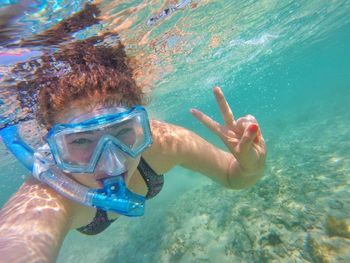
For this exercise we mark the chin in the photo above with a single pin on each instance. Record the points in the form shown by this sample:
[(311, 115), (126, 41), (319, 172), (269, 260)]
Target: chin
[(94, 185), (86, 180)]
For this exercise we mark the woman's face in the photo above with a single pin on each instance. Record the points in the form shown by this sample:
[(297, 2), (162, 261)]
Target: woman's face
[(81, 145)]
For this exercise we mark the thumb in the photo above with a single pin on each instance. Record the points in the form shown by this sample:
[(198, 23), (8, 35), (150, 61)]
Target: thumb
[(248, 138)]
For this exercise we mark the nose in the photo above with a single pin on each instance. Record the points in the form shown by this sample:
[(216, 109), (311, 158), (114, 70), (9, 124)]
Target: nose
[(112, 161)]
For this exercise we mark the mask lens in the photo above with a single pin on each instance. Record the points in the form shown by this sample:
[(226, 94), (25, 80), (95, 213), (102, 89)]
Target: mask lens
[(129, 133), (124, 132), (78, 148)]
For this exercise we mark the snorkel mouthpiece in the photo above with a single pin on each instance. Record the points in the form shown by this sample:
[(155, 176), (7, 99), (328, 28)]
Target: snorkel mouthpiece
[(116, 197)]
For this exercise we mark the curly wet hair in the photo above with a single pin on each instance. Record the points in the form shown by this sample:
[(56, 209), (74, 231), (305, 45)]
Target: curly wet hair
[(86, 71)]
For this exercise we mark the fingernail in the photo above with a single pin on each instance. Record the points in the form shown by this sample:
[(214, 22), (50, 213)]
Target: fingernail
[(256, 140), (253, 128)]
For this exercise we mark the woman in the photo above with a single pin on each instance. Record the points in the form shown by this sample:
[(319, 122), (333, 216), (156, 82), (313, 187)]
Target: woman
[(100, 144)]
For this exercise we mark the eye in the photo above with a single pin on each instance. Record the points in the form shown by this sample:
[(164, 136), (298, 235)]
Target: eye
[(123, 132), (81, 141)]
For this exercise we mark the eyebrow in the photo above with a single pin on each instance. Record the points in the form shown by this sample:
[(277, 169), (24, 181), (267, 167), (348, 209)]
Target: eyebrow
[(80, 133)]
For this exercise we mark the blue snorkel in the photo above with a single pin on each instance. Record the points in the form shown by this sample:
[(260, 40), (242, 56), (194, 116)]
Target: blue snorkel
[(128, 203), (114, 196), (14, 143)]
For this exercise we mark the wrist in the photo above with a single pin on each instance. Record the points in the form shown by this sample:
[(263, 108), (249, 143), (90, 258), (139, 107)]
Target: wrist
[(239, 177)]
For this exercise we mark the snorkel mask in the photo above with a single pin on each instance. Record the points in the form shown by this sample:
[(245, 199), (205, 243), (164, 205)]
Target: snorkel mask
[(91, 144)]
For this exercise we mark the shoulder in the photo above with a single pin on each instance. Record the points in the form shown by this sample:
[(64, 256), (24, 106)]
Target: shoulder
[(164, 134), (175, 145), (165, 151), (169, 138)]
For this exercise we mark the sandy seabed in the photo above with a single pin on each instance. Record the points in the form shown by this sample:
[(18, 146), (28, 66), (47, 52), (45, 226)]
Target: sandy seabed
[(299, 211)]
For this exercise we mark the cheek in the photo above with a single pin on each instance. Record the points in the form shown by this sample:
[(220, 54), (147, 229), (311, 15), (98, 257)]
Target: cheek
[(130, 140), (132, 165), (79, 156), (80, 153)]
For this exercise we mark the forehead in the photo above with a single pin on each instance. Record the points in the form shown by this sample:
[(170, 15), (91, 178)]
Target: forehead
[(80, 113)]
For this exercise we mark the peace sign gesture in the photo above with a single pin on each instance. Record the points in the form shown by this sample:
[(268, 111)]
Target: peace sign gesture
[(242, 136)]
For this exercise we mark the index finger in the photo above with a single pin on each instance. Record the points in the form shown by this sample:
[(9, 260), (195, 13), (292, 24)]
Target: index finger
[(207, 121)]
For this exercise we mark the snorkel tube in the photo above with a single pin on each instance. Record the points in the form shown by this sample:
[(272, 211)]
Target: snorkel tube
[(114, 196), (14, 143)]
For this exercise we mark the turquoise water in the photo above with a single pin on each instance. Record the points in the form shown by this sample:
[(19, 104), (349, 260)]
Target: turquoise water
[(286, 63)]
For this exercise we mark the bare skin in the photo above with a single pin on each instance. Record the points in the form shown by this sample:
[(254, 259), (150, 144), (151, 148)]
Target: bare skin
[(37, 207)]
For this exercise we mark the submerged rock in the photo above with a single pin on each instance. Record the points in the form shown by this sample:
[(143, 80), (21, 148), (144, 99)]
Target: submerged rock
[(324, 249), (274, 239), (338, 227)]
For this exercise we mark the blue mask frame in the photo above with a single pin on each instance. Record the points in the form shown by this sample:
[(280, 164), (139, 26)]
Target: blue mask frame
[(99, 121)]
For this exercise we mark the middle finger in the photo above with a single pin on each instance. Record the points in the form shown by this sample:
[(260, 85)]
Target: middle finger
[(225, 109)]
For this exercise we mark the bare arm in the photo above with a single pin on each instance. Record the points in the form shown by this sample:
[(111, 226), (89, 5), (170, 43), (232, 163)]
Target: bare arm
[(33, 224), (241, 166), (175, 145)]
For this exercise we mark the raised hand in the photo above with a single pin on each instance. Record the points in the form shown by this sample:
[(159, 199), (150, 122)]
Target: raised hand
[(242, 136)]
